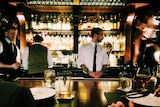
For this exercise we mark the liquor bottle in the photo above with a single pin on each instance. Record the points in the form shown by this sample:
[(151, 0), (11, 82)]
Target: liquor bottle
[(68, 24), (85, 23), (54, 22), (89, 26), (94, 21), (101, 22), (45, 18), (107, 23), (80, 25), (59, 23), (40, 23), (33, 22), (49, 22), (64, 24), (119, 21), (114, 21), (71, 20)]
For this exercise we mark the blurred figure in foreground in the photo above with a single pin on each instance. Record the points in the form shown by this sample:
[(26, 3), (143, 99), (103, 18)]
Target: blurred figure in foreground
[(120, 104), (144, 41), (92, 57), (14, 95), (36, 58), (144, 44), (131, 103)]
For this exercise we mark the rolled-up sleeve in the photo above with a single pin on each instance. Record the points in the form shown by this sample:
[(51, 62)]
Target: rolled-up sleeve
[(81, 57), (49, 59), (25, 58)]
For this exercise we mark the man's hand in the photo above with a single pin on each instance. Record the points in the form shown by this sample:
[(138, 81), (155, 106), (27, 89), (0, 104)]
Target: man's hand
[(15, 65), (120, 104), (157, 91), (95, 74)]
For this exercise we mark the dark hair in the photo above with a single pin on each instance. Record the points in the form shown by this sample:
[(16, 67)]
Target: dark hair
[(95, 31), (37, 38), (10, 28), (143, 19)]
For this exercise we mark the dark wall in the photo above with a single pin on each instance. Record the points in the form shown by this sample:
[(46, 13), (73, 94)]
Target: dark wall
[(7, 16)]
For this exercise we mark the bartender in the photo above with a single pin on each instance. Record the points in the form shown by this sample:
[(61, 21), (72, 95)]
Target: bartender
[(92, 57)]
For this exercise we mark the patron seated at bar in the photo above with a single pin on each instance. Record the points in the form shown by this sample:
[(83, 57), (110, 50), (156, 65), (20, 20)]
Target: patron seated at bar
[(9, 53), (92, 58), (36, 58)]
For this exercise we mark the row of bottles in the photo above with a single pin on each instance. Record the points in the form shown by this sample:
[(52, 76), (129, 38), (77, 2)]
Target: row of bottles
[(82, 2), (117, 41), (65, 41), (103, 2), (55, 21), (58, 41), (50, 2), (106, 22), (51, 21)]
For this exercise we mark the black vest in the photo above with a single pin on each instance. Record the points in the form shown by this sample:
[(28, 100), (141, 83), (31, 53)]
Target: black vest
[(37, 59), (7, 56)]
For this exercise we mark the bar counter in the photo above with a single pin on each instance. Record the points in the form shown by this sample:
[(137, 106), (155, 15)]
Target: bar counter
[(110, 72), (88, 92)]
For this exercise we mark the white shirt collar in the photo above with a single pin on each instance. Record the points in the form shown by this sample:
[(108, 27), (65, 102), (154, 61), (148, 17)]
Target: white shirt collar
[(7, 40), (93, 44), (36, 43)]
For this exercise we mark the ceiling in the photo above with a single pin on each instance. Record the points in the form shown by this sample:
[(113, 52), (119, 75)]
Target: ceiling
[(136, 3)]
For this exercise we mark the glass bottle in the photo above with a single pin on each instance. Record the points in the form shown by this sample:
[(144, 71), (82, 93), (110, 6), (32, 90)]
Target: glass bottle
[(49, 22), (33, 22), (54, 22), (59, 23)]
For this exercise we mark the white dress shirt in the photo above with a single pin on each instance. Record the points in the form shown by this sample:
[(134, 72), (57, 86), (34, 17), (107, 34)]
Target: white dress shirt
[(18, 51), (86, 55), (157, 56), (25, 57)]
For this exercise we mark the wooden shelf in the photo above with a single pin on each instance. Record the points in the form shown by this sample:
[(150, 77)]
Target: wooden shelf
[(42, 8), (100, 9)]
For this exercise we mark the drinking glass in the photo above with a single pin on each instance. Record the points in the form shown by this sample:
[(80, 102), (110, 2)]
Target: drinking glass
[(125, 81), (143, 76), (64, 82), (49, 78)]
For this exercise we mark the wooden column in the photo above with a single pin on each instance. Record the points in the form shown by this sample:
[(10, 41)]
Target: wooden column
[(22, 34)]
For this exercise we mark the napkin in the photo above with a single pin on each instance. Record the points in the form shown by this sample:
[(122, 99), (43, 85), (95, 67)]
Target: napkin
[(113, 97), (149, 100)]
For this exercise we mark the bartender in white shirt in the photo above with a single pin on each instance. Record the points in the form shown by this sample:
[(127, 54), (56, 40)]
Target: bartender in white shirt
[(9, 53), (86, 55)]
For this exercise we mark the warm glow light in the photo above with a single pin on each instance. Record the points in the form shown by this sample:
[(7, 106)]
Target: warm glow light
[(84, 94), (110, 86), (156, 22), (130, 18), (20, 17)]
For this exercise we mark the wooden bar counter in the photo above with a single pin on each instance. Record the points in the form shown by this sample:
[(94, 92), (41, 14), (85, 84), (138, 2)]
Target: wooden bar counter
[(88, 92)]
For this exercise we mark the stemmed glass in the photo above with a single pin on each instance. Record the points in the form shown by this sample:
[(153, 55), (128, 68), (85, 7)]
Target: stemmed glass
[(143, 76)]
